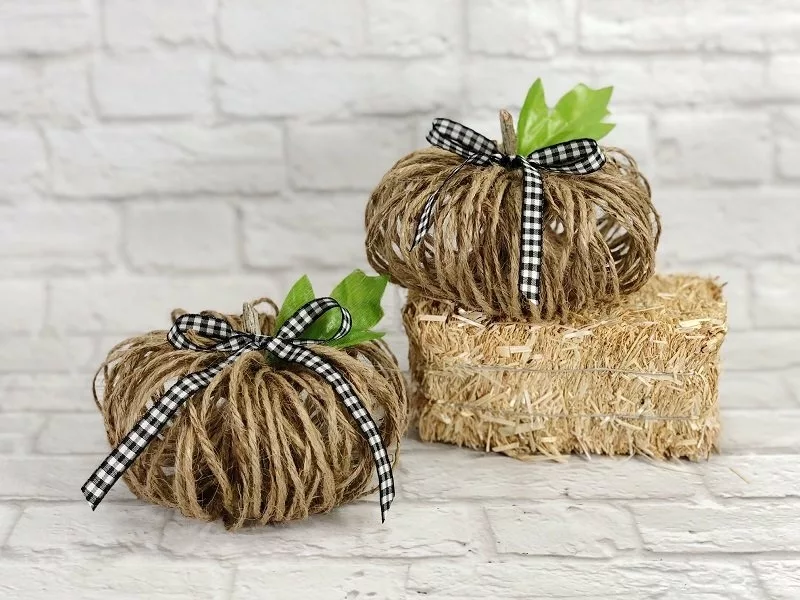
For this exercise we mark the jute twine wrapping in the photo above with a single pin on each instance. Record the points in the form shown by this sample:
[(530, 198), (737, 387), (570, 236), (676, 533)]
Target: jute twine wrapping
[(600, 239), (637, 378), (262, 443)]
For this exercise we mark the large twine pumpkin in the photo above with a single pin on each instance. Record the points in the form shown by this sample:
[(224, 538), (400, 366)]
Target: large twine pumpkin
[(600, 233), (262, 443)]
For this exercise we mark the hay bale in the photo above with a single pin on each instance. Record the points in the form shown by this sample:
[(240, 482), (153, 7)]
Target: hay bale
[(640, 377)]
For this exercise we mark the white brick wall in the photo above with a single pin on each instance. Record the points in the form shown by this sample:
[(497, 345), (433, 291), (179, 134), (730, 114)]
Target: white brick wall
[(255, 129)]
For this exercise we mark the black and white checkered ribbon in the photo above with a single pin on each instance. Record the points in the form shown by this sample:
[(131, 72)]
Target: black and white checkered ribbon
[(285, 344), (578, 157)]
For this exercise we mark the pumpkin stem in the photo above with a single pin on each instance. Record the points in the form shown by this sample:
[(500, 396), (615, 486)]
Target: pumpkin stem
[(250, 319), (509, 143)]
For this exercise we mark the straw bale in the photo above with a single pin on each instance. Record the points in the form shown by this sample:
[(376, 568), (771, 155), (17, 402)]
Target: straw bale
[(639, 377)]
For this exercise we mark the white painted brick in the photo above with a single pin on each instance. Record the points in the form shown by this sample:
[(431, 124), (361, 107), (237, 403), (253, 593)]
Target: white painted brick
[(632, 134), (93, 305), (8, 518), (248, 87), (398, 343), (18, 432), (792, 379), (760, 430), (748, 350), (65, 527), (753, 389), (23, 164), (788, 131), (57, 238), (591, 530), (134, 160), (318, 27), (59, 435), (776, 289), (719, 147), (477, 475), (309, 579), (209, 243), (352, 530), (53, 478), (50, 353), (707, 25), (45, 392), (694, 221), (412, 28), (124, 578), (751, 527), (346, 156), (145, 23), (558, 578), (753, 476), (494, 83), (693, 80), (780, 578), (57, 91), (22, 306), (699, 79), (153, 85), (393, 300), (783, 76), (525, 28), (45, 26), (308, 230)]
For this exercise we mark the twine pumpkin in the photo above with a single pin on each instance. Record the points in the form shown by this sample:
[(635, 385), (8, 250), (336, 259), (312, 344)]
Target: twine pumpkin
[(601, 231), (263, 443)]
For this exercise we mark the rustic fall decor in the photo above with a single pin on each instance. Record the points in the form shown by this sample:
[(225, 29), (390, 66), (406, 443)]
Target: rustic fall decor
[(600, 229), (636, 378), (266, 440)]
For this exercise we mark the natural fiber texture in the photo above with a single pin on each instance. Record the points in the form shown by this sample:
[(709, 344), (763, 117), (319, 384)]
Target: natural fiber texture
[(637, 378), (261, 443), (601, 233)]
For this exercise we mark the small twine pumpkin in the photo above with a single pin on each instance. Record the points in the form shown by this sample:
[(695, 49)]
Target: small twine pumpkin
[(600, 233), (262, 443)]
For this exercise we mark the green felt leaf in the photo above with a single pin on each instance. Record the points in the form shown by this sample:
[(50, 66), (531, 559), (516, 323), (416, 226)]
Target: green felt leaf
[(300, 294), (579, 113)]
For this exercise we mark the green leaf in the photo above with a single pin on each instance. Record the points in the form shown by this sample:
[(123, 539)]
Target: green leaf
[(357, 337), (532, 117), (359, 293), (598, 130), (581, 110), (300, 294), (578, 114)]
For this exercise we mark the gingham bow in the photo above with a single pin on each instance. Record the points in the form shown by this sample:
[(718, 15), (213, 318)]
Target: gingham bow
[(286, 345), (576, 156)]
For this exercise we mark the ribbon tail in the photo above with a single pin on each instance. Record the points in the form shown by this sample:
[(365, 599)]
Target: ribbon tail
[(345, 392), (426, 215), (531, 234), (424, 220), (149, 426)]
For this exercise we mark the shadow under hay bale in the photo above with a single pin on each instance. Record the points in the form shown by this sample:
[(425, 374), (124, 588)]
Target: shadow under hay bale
[(640, 377)]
